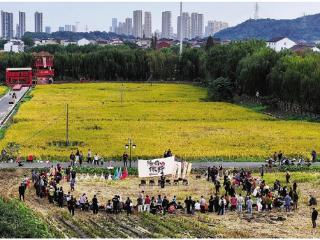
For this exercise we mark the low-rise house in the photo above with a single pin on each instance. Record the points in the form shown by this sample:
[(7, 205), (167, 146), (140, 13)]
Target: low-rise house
[(163, 44), (280, 43), (302, 47), (67, 42), (102, 42), (143, 43), (45, 42), (14, 46), (83, 42), (116, 42)]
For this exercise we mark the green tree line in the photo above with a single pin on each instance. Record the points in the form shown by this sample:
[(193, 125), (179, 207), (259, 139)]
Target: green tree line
[(238, 68)]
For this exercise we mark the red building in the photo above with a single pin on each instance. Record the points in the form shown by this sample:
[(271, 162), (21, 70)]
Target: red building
[(19, 76), (163, 44), (43, 71)]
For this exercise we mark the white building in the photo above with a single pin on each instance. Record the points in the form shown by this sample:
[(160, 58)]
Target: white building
[(114, 24), (128, 27), (14, 46), (214, 27), (166, 25), (22, 24), (280, 43), (137, 23), (83, 42), (38, 22), (196, 25), (186, 26), (147, 27)]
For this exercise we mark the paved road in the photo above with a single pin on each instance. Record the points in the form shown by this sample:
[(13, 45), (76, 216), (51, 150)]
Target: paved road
[(5, 107), (195, 165)]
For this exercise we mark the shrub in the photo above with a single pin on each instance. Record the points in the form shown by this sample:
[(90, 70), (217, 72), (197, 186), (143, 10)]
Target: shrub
[(220, 89)]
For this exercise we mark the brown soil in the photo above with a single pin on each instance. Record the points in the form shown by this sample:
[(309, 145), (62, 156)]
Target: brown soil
[(84, 225)]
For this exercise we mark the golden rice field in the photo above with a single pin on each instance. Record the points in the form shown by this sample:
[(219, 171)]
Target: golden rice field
[(156, 117), (3, 90)]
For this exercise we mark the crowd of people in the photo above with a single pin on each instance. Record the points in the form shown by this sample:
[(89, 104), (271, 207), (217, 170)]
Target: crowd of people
[(242, 193), (79, 158), (281, 159)]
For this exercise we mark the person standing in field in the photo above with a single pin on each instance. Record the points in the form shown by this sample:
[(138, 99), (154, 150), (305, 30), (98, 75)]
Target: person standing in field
[(68, 171), (314, 216), (314, 156), (96, 159), (72, 183), (128, 206), (211, 204), (51, 194), (274, 157), (147, 202), (22, 189), (60, 197), (89, 156), (288, 177), (125, 159), (217, 186), (77, 156), (95, 207), (287, 202), (249, 206), (222, 205), (72, 159), (262, 171), (280, 157), (71, 205), (80, 158), (295, 199)]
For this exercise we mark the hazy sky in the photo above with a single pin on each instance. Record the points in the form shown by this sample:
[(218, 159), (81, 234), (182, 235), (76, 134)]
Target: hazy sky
[(97, 16)]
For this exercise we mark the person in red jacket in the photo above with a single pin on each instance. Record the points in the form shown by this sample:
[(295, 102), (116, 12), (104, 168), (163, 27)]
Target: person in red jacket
[(147, 202)]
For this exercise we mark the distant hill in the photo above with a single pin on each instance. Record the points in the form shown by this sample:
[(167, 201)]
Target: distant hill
[(305, 28)]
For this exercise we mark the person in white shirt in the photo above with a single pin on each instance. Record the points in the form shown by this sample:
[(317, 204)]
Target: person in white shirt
[(96, 159), (197, 206), (82, 201), (239, 203), (259, 205)]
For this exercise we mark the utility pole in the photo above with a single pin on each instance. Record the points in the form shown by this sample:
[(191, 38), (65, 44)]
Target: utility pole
[(121, 93), (67, 126), (180, 29)]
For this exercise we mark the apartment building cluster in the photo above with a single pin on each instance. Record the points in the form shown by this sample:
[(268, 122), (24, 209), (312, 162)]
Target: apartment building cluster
[(139, 26), (7, 24), (191, 25)]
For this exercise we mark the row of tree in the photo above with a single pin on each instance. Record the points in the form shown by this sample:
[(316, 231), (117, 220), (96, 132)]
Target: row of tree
[(227, 70)]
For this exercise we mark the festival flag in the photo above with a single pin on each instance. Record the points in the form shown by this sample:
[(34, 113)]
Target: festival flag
[(119, 173), (115, 174), (124, 174)]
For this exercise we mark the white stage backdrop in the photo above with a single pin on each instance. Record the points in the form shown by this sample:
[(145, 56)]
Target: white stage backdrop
[(155, 167)]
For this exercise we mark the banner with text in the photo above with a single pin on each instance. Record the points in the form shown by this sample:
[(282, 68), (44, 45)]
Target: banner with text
[(155, 167)]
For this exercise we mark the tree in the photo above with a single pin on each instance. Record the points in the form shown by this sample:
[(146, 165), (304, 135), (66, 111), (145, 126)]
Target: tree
[(220, 89), (209, 43), (253, 71), (28, 41), (154, 42), (2, 43)]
